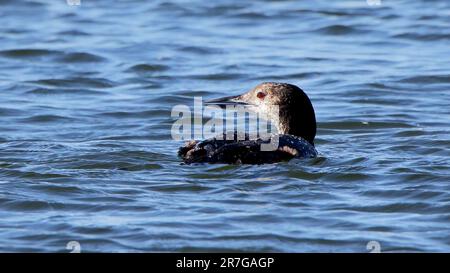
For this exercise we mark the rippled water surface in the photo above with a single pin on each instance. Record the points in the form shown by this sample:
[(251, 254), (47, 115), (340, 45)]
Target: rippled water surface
[(86, 152)]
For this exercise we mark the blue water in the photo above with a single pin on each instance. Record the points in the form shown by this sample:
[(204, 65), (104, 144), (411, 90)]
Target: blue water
[(86, 152)]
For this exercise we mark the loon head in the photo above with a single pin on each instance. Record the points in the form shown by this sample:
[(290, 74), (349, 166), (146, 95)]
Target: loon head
[(286, 105)]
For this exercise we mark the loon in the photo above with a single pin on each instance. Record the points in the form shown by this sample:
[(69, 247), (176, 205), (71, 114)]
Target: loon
[(295, 121)]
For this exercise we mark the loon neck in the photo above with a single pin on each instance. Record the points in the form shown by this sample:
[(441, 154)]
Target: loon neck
[(297, 123)]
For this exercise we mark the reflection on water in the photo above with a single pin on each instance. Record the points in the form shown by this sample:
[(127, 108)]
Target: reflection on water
[(85, 147)]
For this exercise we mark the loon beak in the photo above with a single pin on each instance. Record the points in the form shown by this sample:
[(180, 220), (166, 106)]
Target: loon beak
[(223, 102)]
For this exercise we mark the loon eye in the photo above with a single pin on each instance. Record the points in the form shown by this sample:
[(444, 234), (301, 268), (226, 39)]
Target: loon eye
[(261, 95)]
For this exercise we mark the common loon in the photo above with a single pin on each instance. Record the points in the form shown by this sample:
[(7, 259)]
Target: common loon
[(295, 121)]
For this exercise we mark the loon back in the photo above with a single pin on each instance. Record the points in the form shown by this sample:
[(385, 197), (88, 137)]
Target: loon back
[(246, 151)]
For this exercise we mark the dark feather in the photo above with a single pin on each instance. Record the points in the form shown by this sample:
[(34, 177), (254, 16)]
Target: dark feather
[(245, 151)]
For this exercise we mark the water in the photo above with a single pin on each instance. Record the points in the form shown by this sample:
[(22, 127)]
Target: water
[(86, 152)]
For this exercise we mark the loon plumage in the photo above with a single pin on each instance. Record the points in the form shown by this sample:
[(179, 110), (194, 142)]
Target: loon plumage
[(295, 121)]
